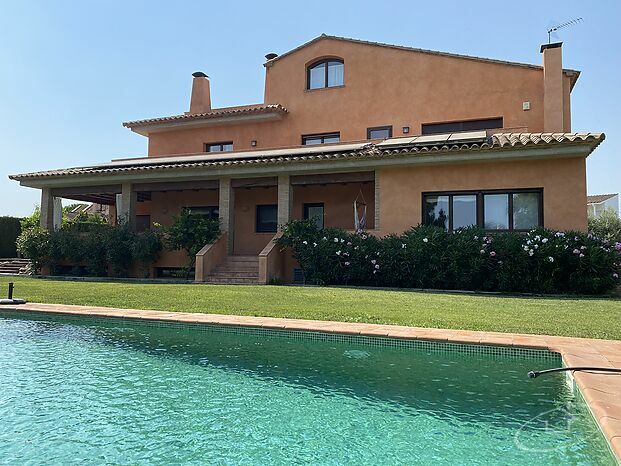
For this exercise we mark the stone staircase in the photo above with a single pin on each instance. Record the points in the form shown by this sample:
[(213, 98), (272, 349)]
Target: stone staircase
[(15, 267), (236, 270)]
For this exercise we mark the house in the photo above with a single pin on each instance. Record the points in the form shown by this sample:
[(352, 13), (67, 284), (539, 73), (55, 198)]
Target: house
[(100, 210), (597, 203), (413, 136)]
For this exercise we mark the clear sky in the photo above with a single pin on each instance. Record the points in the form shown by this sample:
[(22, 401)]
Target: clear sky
[(71, 72)]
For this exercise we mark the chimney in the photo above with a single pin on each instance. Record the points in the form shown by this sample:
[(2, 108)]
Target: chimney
[(200, 101), (553, 95)]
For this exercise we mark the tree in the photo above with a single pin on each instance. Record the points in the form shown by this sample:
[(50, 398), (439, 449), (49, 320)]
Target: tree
[(606, 226), (191, 232)]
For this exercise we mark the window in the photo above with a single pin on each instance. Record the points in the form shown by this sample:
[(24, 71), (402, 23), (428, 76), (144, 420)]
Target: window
[(381, 132), (219, 147), (143, 223), (267, 218), (314, 211), (326, 73), (209, 212), (458, 126), (329, 138), (519, 210)]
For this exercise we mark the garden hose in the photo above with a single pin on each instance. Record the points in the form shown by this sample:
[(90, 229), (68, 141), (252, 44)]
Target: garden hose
[(535, 374)]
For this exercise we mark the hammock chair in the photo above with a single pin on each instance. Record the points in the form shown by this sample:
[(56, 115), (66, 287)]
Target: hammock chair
[(360, 214)]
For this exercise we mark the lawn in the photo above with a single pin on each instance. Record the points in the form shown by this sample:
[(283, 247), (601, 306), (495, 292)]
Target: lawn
[(582, 317)]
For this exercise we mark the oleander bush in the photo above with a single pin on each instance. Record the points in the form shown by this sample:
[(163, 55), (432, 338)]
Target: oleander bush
[(541, 261)]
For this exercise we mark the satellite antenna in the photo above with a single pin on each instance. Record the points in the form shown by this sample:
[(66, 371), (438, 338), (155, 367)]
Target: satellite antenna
[(564, 25)]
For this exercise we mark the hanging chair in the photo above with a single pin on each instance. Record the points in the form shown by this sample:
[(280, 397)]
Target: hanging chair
[(360, 212)]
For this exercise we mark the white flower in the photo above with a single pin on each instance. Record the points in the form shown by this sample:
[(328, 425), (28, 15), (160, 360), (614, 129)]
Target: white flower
[(338, 253), (528, 242), (576, 251), (476, 237), (373, 261), (425, 240), (482, 251), (536, 246), (551, 259), (526, 248), (342, 240), (615, 275), (314, 245), (336, 240), (347, 263), (349, 243), (324, 238), (403, 245), (493, 254), (583, 247), (377, 266), (304, 242), (531, 252), (544, 240), (581, 255)]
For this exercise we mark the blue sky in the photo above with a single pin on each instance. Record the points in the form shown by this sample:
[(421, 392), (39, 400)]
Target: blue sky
[(71, 72)]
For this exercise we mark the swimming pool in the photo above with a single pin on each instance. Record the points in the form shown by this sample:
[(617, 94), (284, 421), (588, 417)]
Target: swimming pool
[(92, 391)]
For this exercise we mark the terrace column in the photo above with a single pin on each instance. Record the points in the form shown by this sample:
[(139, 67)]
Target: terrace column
[(376, 203), (126, 212), (226, 211), (51, 210), (285, 200)]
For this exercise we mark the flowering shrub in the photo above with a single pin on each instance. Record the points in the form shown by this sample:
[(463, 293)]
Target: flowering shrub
[(541, 261)]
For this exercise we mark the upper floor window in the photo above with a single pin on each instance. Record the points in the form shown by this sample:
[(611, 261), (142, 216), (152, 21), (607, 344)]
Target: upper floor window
[(219, 147), (381, 132), (328, 138), (458, 126), (325, 73)]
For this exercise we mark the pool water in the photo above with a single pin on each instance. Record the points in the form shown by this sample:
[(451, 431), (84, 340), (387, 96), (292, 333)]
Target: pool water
[(97, 391)]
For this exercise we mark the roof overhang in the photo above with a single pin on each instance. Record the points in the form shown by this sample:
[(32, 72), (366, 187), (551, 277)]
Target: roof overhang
[(334, 159)]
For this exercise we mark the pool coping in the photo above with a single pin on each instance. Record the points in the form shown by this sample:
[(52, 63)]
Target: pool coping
[(602, 392)]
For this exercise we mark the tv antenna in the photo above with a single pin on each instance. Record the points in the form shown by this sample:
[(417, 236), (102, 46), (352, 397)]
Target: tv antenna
[(564, 25)]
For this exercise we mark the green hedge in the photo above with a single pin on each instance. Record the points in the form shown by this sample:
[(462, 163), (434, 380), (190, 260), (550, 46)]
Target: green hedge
[(541, 261), (9, 231)]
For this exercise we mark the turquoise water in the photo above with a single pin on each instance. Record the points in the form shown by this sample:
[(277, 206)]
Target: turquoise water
[(112, 392)]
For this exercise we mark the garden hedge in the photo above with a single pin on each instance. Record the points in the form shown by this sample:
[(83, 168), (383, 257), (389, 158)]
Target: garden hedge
[(540, 261), (9, 231)]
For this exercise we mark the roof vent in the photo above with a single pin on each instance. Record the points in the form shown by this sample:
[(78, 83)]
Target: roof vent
[(271, 56), (199, 74)]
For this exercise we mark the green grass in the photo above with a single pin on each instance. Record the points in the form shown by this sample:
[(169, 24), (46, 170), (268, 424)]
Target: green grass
[(582, 317)]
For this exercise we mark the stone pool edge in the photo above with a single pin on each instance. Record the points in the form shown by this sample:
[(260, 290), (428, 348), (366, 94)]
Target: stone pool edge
[(601, 392)]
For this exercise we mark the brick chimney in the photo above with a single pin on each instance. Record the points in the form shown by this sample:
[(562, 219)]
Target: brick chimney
[(553, 94), (200, 101)]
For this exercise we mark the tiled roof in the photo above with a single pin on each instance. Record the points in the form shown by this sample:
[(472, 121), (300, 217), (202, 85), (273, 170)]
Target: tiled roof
[(386, 149), (216, 113), (573, 74), (597, 198)]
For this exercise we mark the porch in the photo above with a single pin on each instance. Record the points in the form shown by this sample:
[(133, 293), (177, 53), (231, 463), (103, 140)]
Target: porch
[(250, 210)]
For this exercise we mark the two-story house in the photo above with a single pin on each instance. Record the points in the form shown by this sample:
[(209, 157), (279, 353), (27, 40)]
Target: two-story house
[(410, 136)]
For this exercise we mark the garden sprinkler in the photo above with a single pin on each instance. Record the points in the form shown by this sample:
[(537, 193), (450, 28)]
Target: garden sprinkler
[(535, 374), (11, 299)]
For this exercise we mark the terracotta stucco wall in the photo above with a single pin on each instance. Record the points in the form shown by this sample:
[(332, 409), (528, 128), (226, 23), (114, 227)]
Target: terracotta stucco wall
[(563, 182), (382, 86)]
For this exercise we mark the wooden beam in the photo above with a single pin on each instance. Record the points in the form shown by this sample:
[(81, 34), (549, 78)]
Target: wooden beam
[(105, 189), (254, 182), (333, 178), (176, 186)]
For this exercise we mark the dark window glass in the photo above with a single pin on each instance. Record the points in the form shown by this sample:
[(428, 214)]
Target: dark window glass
[(496, 211), (327, 73), (330, 138), (464, 210), (492, 210), (526, 209), (267, 218), (209, 212), (437, 211), (143, 222), (315, 212), (382, 132), (458, 126), (219, 147)]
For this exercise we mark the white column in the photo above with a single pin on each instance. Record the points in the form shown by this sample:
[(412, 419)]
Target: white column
[(226, 211), (376, 202), (49, 210), (285, 200)]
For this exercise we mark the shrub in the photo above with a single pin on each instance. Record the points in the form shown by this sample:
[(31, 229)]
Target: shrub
[(191, 232), (146, 249), (606, 226), (9, 231), (541, 261), (34, 244)]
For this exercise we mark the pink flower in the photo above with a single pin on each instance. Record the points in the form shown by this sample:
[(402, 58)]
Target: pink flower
[(493, 254), (581, 255), (617, 245), (576, 251)]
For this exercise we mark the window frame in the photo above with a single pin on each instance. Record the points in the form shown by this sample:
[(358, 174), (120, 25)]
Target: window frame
[(379, 128), (325, 62), (256, 218), (308, 205), (322, 136), (480, 193), (462, 123), (209, 216), (221, 144)]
